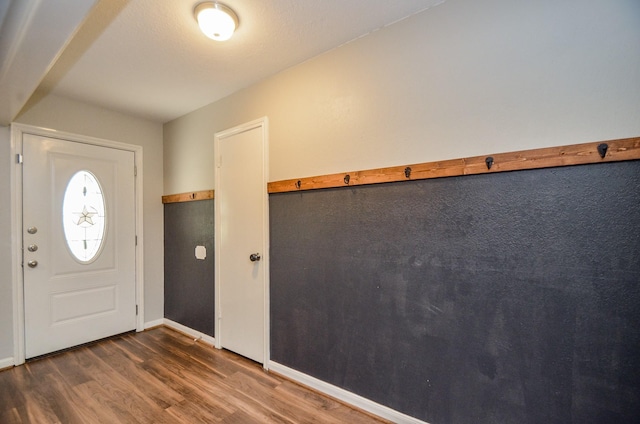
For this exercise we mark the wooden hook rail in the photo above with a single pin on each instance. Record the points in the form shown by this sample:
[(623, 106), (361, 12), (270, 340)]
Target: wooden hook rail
[(188, 197), (576, 154)]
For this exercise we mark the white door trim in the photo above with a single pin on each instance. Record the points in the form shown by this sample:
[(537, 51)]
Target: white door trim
[(17, 131), (258, 123)]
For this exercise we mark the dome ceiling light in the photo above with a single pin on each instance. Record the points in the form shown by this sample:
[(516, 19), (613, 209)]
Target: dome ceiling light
[(216, 20)]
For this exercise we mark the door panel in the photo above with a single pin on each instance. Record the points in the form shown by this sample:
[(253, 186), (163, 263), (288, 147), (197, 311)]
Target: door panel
[(241, 208), (70, 301)]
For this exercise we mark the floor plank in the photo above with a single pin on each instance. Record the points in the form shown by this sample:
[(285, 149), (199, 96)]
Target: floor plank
[(159, 376)]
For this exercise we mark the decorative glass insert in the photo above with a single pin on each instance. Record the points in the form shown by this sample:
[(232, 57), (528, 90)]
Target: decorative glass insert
[(84, 216)]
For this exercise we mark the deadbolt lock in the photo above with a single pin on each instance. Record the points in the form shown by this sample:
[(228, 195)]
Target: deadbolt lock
[(32, 230), (32, 247), (32, 264)]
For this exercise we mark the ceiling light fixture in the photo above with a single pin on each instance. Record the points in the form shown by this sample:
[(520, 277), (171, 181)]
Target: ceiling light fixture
[(216, 20)]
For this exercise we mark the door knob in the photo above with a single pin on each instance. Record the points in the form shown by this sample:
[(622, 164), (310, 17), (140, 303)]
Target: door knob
[(254, 257), (32, 247), (32, 264)]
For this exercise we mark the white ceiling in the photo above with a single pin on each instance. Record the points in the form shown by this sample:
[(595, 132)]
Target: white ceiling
[(148, 57)]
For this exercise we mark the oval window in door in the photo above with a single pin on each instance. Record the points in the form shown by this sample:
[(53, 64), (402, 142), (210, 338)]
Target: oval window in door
[(84, 216)]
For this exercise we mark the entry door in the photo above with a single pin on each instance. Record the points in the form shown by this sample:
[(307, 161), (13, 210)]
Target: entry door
[(78, 242), (241, 238)]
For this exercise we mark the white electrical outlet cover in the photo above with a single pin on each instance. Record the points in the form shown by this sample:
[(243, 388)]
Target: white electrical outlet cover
[(201, 252)]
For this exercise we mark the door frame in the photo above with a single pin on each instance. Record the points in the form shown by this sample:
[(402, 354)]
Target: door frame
[(218, 137), (17, 275)]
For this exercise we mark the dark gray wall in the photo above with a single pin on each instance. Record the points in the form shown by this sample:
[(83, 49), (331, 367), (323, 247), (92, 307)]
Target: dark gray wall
[(189, 282), (502, 298)]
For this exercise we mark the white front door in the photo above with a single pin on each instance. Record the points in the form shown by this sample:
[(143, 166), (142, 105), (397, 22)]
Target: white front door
[(78, 242), (241, 240)]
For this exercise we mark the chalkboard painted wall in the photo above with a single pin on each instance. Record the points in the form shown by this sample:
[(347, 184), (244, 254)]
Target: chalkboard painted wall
[(502, 298), (188, 282)]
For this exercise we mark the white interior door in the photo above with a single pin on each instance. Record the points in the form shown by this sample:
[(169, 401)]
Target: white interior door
[(241, 231), (78, 242)]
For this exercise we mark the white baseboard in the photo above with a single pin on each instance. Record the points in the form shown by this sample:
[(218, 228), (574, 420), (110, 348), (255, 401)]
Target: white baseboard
[(6, 363), (344, 395), (197, 335), (155, 323)]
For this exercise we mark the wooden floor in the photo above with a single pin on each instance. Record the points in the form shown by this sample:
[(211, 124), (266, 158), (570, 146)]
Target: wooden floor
[(158, 376)]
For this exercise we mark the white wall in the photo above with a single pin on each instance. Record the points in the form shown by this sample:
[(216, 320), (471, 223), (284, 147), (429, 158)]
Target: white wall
[(6, 306), (465, 78), (71, 116)]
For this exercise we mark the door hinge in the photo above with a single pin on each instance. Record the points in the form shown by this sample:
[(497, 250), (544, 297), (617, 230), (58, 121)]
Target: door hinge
[(136, 309), (135, 171), (136, 240), (19, 158)]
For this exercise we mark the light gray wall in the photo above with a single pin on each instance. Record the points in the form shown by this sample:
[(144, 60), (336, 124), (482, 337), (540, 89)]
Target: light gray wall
[(6, 307), (464, 78), (71, 116)]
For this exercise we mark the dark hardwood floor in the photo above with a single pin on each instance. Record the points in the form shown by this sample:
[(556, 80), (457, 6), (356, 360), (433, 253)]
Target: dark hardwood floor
[(158, 376)]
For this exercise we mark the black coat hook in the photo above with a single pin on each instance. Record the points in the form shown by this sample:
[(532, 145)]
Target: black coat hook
[(346, 179), (407, 172), (298, 184), (602, 149), (489, 162)]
